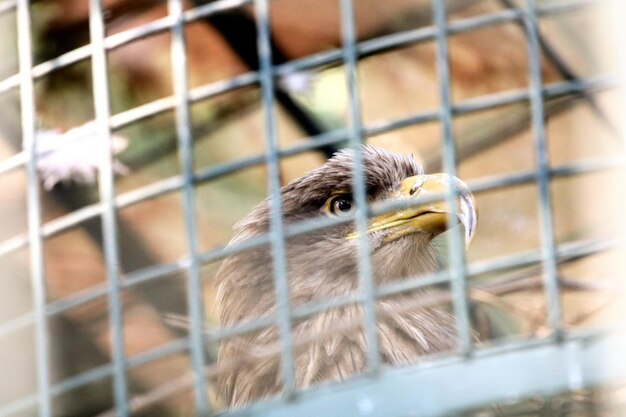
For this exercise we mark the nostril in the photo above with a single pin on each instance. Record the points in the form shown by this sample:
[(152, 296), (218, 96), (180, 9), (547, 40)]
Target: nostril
[(414, 188)]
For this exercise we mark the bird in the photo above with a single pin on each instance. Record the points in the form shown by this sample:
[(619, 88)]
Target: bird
[(323, 265)]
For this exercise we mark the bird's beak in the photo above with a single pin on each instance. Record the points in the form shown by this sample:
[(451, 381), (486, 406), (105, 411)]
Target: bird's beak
[(429, 218)]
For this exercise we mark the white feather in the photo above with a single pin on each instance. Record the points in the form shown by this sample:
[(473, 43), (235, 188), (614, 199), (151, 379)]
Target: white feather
[(74, 156)]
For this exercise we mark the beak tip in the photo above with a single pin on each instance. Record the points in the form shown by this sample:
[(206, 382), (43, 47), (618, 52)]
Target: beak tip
[(469, 237), (467, 215)]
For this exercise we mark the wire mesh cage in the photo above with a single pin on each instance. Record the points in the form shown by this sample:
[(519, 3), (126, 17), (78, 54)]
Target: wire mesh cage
[(136, 133)]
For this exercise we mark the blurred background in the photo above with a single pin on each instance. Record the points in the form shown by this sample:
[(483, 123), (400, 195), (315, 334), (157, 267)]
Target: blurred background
[(397, 84)]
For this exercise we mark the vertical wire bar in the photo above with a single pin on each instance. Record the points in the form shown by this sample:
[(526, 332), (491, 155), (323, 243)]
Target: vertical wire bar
[(355, 132), (548, 251), (38, 280), (277, 230), (107, 197), (457, 265), (185, 143)]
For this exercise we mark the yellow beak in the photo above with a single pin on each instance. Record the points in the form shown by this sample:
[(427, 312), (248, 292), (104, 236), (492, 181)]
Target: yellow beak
[(429, 218)]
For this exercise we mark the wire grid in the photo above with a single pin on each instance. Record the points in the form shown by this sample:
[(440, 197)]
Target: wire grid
[(562, 361)]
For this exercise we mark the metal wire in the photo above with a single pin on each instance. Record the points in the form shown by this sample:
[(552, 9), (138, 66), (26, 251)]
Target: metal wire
[(456, 256), (553, 90), (107, 197), (168, 185), (38, 280), (364, 263), (386, 395), (146, 274), (380, 44), (277, 228), (185, 152), (549, 254), (564, 252), (542, 165), (95, 375), (123, 38)]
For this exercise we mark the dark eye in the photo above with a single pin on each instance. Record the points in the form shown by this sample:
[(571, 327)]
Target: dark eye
[(341, 205)]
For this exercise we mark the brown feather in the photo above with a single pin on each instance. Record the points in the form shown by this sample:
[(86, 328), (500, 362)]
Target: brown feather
[(322, 265)]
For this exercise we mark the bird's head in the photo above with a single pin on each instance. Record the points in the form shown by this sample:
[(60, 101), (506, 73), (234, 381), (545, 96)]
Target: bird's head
[(324, 262)]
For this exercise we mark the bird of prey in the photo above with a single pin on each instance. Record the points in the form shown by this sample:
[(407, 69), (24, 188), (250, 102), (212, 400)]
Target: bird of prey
[(322, 265)]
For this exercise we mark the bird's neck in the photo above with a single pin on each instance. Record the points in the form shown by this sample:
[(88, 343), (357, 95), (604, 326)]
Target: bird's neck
[(336, 275), (316, 274)]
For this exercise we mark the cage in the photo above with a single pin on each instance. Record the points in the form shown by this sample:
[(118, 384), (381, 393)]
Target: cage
[(136, 133)]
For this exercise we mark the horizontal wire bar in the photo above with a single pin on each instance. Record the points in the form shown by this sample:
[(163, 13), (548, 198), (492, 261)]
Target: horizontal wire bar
[(240, 329), (120, 39), (146, 274), (13, 325), (379, 44), (170, 348), (553, 90), (386, 395), (441, 277), (317, 307), (158, 271), (397, 40), (154, 272), (564, 251), (82, 379), (158, 188), (172, 184), (512, 344), (331, 57), (327, 138), (476, 186), (99, 290), (210, 90), (13, 162), (76, 217), (196, 94), (96, 374), (414, 36), (14, 407), (524, 177)]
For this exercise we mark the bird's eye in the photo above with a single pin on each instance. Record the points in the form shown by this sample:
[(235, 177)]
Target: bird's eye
[(341, 205)]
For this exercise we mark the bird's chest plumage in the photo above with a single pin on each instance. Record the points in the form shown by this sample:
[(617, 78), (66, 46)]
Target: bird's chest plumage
[(331, 345)]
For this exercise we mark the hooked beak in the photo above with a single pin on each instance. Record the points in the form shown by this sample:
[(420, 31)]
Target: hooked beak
[(429, 218)]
